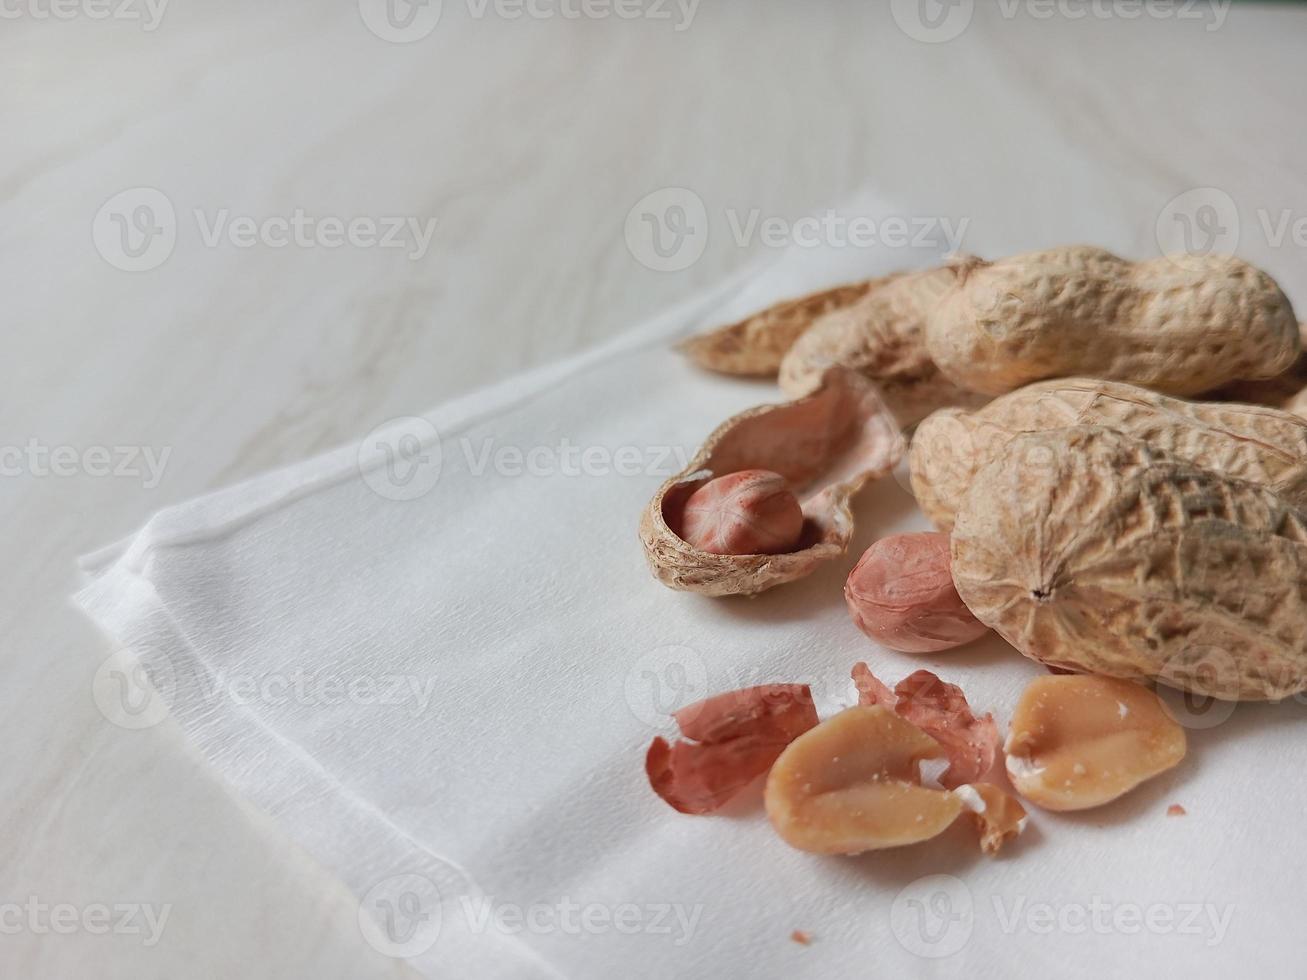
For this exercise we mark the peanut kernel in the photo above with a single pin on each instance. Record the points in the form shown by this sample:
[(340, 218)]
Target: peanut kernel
[(1079, 741)]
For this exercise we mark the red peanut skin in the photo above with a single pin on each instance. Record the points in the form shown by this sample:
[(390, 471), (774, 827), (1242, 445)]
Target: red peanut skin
[(901, 594), (750, 512)]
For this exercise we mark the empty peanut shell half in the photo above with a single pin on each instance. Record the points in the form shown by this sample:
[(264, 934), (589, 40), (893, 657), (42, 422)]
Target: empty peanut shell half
[(882, 335), (755, 345), (827, 446), (1079, 741)]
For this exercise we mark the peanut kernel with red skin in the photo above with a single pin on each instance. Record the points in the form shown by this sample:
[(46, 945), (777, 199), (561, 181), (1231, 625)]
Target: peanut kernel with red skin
[(901, 594), (749, 512)]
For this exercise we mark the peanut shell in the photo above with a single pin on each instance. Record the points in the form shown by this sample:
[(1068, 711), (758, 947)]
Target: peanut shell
[(755, 345), (881, 335), (1260, 444), (1180, 324), (827, 446), (1089, 550)]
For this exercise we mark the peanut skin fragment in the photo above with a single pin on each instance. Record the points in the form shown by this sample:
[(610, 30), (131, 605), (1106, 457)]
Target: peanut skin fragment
[(750, 512), (852, 784), (1256, 443), (1180, 324), (941, 711), (901, 594), (735, 737), (1078, 742), (1090, 550)]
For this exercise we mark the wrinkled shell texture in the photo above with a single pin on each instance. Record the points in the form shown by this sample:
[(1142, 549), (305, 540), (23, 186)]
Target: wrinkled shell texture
[(881, 335), (1078, 741), (1180, 324), (1086, 549), (827, 447), (1276, 392), (751, 512), (755, 346), (901, 594), (1263, 445)]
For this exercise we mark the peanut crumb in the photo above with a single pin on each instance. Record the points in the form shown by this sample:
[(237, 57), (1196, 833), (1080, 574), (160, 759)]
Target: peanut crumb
[(1176, 810), (801, 937)]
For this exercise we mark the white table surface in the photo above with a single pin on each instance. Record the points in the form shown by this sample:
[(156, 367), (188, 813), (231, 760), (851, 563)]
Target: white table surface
[(529, 140)]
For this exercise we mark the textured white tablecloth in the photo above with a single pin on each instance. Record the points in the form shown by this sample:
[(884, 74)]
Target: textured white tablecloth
[(439, 673)]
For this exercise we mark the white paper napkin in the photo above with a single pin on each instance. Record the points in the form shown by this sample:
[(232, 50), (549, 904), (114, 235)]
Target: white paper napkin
[(437, 658)]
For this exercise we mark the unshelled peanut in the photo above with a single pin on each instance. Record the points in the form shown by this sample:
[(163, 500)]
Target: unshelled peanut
[(1090, 550), (1179, 324), (1260, 444)]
